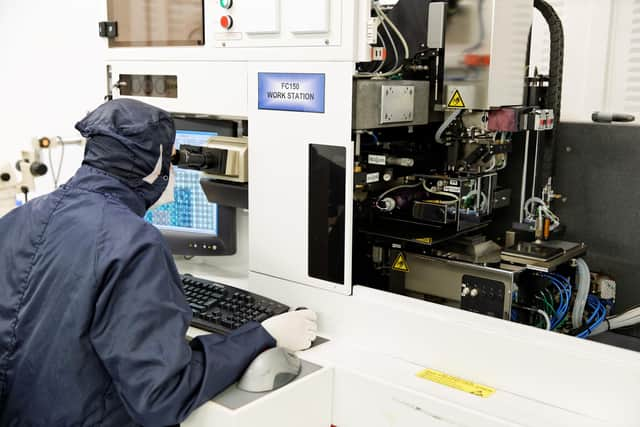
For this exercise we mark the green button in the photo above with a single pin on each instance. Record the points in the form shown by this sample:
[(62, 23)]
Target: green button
[(226, 4)]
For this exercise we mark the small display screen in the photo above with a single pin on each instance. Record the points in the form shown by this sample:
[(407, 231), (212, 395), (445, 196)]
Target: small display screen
[(190, 211)]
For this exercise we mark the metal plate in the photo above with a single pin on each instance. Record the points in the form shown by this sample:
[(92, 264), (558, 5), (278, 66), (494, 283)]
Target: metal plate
[(396, 104), (368, 98), (568, 251), (443, 279)]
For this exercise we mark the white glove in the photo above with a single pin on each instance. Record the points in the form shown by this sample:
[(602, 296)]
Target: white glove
[(294, 330)]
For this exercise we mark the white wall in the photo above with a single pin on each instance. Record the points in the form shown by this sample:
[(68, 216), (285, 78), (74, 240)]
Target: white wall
[(51, 72)]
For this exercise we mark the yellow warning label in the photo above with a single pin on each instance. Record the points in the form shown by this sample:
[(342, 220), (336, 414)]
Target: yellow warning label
[(456, 100), (400, 264), (457, 383), (425, 240)]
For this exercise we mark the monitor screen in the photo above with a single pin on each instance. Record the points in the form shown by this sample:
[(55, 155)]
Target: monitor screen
[(190, 211), (192, 225)]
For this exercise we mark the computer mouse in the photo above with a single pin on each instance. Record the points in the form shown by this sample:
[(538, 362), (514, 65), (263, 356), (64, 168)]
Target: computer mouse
[(272, 369)]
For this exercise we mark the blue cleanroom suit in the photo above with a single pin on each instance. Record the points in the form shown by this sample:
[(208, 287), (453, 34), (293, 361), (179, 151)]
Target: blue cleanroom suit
[(92, 313)]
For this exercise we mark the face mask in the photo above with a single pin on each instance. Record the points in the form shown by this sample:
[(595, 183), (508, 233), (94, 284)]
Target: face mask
[(167, 195)]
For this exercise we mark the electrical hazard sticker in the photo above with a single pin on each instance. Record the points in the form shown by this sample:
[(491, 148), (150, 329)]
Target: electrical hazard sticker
[(456, 100), (400, 264), (457, 383)]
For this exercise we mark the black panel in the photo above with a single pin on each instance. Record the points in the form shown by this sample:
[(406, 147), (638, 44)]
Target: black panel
[(327, 181), (483, 296), (597, 171), (226, 193)]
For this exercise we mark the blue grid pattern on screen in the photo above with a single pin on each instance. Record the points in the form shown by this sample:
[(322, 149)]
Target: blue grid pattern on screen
[(190, 211)]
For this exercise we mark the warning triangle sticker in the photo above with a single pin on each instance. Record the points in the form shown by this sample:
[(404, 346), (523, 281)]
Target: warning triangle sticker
[(456, 100), (400, 264)]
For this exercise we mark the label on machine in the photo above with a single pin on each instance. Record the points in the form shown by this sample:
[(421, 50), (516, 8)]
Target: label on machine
[(457, 383), (400, 264), (373, 177), (291, 92), (456, 100)]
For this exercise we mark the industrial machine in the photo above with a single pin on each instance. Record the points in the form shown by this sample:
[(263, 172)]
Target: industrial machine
[(391, 154), (435, 125), (441, 101)]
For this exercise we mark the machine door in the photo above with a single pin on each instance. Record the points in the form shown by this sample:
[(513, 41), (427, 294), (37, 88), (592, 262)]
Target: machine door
[(157, 22)]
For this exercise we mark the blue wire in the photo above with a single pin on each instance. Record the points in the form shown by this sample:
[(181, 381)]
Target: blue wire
[(563, 286), (600, 310), (561, 308)]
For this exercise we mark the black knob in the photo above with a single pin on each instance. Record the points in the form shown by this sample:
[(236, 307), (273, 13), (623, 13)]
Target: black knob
[(5, 177), (38, 169)]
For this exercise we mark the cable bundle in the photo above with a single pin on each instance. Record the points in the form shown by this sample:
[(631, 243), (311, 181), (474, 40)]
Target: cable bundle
[(598, 316), (558, 314)]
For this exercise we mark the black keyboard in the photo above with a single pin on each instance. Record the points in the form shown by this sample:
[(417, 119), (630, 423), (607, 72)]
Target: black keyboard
[(222, 308)]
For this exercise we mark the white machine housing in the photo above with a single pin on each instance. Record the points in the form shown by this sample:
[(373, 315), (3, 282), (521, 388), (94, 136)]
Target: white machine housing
[(485, 61), (535, 368)]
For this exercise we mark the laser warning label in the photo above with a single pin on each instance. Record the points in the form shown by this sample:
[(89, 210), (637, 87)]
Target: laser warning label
[(400, 264), (456, 100)]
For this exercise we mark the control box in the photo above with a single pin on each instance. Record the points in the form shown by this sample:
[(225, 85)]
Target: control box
[(262, 23)]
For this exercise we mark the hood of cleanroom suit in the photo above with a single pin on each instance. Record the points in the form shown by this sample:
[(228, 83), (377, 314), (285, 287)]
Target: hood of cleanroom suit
[(132, 141), (93, 317)]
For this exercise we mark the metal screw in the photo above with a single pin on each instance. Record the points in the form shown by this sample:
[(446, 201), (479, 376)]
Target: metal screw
[(569, 149), (224, 44), (326, 42)]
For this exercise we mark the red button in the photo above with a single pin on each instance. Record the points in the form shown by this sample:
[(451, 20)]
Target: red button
[(226, 22)]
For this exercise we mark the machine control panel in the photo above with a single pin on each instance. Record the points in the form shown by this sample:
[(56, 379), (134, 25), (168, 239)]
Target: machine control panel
[(484, 296), (271, 23), (226, 22)]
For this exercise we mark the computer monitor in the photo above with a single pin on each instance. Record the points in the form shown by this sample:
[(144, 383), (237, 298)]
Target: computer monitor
[(191, 224)]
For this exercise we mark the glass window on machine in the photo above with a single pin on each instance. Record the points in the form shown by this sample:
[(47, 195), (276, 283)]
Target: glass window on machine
[(327, 180), (157, 22)]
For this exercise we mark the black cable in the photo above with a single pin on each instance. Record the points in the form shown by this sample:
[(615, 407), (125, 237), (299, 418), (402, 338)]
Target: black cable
[(554, 92)]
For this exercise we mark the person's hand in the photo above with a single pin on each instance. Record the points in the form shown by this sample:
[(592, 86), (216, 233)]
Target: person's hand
[(295, 330)]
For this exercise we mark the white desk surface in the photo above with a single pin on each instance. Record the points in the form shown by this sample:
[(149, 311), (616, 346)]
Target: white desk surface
[(505, 407)]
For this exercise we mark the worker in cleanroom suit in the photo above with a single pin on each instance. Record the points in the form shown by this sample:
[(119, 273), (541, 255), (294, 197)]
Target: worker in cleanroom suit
[(92, 314)]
